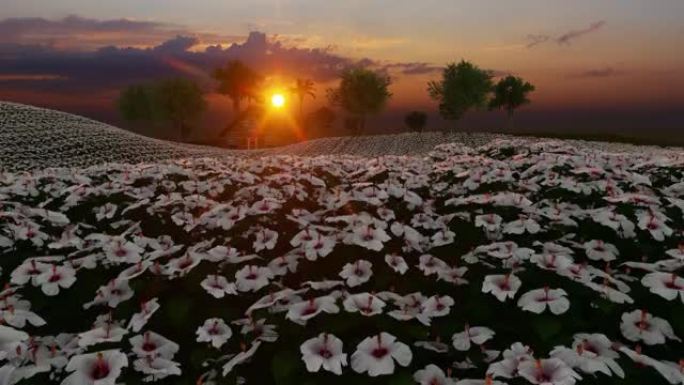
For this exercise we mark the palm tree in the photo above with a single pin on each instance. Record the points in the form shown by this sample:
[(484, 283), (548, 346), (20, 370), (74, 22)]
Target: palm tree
[(302, 89)]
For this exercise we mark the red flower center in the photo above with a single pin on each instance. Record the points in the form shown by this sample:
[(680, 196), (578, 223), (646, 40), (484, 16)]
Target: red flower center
[(185, 263), (55, 278), (100, 370), (325, 353), (309, 310), (379, 352), (149, 346)]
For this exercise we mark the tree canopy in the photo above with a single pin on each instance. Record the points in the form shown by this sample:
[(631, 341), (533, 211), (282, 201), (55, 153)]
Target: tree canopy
[(510, 93), (416, 120), (177, 101), (463, 86), (302, 89), (238, 82), (361, 92), (322, 118)]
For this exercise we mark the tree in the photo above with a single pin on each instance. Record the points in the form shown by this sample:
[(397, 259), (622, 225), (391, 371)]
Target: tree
[(351, 123), (323, 117), (463, 86), (177, 101), (509, 94), (302, 89), (416, 120), (180, 101), (238, 82), (361, 92), (135, 103)]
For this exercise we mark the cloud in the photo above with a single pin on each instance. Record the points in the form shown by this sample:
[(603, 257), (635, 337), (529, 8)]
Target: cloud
[(179, 44), (597, 73), (82, 64), (28, 77), (534, 40), (115, 67), (412, 68), (79, 33), (568, 37), (73, 52)]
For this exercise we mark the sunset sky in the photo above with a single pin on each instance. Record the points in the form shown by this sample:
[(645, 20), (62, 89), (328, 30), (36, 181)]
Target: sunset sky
[(613, 64)]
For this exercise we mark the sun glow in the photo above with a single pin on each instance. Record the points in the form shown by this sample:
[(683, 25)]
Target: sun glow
[(278, 100)]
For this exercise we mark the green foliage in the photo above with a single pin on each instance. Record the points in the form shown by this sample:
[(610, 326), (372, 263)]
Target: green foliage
[(546, 327), (136, 103), (177, 101), (463, 86), (180, 100), (510, 93), (416, 120), (238, 82), (284, 366), (361, 92)]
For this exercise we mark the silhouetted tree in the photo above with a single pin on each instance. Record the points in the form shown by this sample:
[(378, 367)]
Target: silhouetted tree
[(463, 86), (323, 117), (352, 124), (238, 82), (177, 101), (510, 93), (361, 92), (302, 89), (136, 103), (180, 101), (416, 121)]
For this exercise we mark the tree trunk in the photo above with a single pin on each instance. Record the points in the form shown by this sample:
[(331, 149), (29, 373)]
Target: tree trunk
[(301, 110), (237, 117), (236, 106), (180, 129)]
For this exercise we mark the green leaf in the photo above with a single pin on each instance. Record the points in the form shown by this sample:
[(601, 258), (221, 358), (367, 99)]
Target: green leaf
[(401, 379), (177, 311), (284, 367), (547, 327)]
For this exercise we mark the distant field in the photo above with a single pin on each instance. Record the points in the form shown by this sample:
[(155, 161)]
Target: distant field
[(34, 138)]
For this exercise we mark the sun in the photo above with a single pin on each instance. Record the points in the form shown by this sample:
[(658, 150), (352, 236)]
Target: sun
[(278, 100)]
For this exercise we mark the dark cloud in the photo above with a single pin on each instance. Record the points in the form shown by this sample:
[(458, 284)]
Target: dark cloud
[(74, 32), (114, 67), (534, 40), (70, 55), (179, 44), (597, 73), (568, 37), (414, 68)]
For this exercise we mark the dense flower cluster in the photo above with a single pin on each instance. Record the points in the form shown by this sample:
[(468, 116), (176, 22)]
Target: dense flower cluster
[(515, 262)]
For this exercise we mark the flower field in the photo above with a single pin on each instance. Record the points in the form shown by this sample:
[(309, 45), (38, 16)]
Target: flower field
[(515, 262)]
